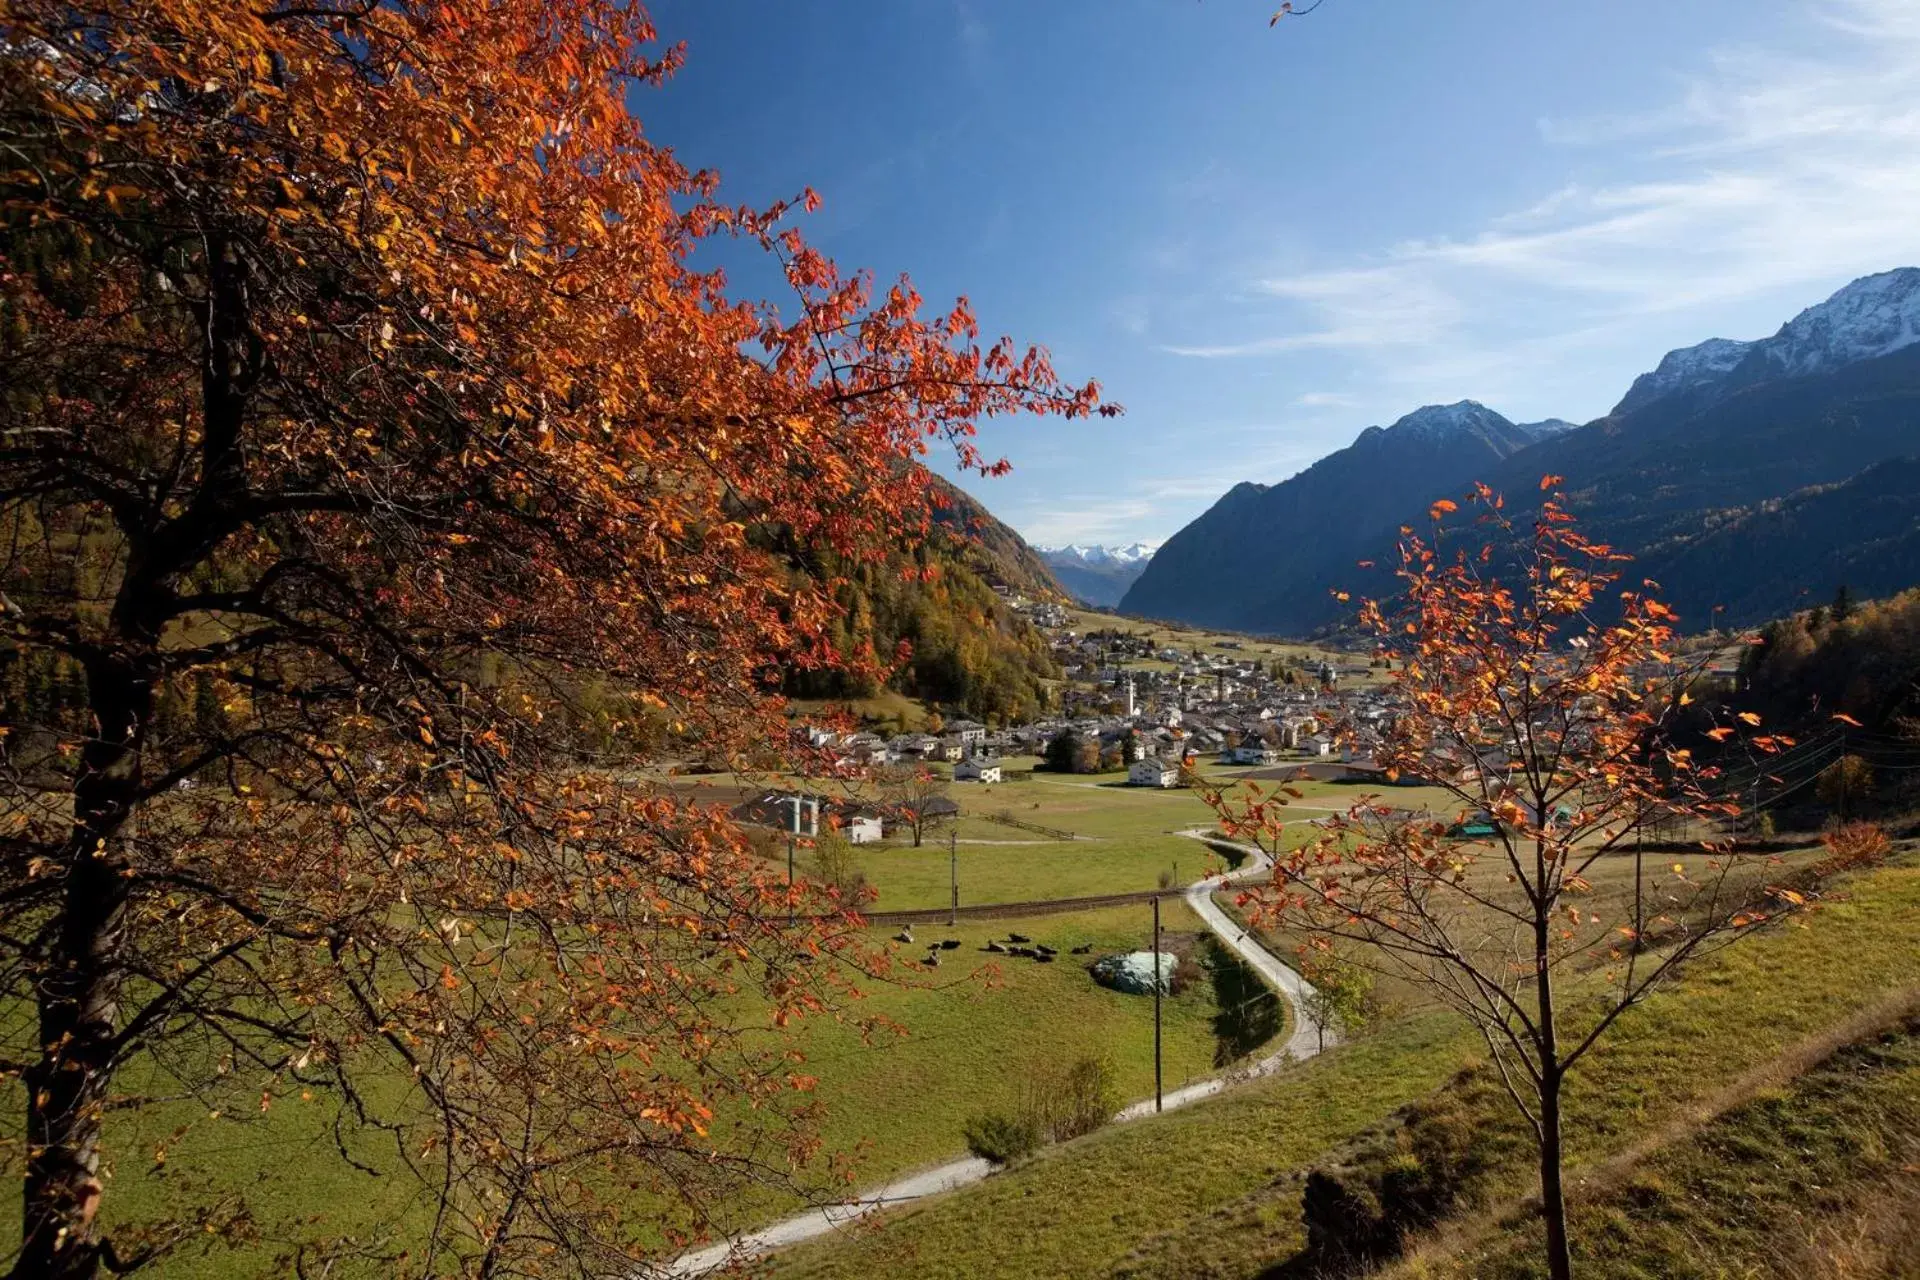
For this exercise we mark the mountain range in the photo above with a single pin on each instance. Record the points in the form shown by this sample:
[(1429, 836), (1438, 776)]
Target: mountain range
[(1746, 475), (1096, 574)]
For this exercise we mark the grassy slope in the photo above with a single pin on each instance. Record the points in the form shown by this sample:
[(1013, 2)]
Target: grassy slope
[(899, 1101), (1814, 1180), (1206, 1192), (972, 1039), (1078, 1211)]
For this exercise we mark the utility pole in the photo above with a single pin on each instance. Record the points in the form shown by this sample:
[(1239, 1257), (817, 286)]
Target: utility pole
[(953, 871), (793, 834), (1157, 979)]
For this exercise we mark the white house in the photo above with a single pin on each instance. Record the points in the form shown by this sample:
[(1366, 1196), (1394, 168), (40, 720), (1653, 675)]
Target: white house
[(1250, 753), (977, 769), (1153, 773), (865, 829), (969, 733), (1317, 745)]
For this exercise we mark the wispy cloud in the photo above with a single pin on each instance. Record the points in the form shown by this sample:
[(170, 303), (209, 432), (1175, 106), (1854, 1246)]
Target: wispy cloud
[(1151, 508), (1770, 171), (1326, 400)]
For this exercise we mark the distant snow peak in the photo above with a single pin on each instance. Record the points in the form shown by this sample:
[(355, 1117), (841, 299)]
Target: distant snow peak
[(1095, 553), (1545, 428)]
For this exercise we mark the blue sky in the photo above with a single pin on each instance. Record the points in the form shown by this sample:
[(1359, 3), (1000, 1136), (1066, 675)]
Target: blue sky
[(1262, 241)]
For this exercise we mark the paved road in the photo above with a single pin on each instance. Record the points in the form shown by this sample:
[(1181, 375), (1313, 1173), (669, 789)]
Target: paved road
[(1305, 1040), (1302, 1044)]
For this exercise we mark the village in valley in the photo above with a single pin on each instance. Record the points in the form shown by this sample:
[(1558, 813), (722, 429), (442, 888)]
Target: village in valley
[(1156, 703)]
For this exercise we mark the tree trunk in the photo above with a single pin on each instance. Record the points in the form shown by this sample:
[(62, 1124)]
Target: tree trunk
[(1553, 1200), (78, 982), (78, 992)]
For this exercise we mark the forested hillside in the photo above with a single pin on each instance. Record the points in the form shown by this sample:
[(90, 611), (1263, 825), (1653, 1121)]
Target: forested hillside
[(965, 649)]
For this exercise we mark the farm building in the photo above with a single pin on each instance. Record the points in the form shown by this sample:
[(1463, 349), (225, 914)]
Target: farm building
[(1153, 773), (977, 769)]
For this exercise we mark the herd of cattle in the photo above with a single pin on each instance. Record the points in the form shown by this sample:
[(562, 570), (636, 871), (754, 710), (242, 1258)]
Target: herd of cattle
[(1017, 944)]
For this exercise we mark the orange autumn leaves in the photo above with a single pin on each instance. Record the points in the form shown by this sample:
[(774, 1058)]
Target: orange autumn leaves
[(365, 351)]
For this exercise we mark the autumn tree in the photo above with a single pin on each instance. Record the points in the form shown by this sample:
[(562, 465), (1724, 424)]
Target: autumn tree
[(362, 418), (1533, 685), (1340, 997), (915, 797)]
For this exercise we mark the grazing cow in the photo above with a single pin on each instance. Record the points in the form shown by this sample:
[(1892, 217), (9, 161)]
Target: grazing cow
[(994, 946), (1046, 950), (1021, 951), (1085, 948), (1018, 937), (949, 944), (905, 934), (1045, 958), (933, 959)]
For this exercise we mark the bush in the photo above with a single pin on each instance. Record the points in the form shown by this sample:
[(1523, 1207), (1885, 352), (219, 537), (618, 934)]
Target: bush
[(1059, 1103), (1003, 1138), (1852, 846), (1076, 1100), (1847, 780), (835, 864)]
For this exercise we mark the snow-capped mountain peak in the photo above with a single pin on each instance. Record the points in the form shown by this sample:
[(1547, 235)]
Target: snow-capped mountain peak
[(1684, 369), (1095, 553), (1097, 574), (1872, 317), (1444, 425), (1439, 421)]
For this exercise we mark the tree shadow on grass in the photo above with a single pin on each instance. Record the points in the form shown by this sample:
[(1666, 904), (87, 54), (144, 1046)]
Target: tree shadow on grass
[(1249, 1010)]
